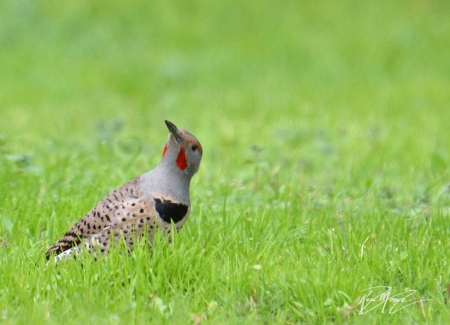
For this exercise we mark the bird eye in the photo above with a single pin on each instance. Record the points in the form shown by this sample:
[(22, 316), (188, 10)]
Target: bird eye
[(194, 147)]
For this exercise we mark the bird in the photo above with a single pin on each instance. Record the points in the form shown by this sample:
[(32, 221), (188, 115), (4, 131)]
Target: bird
[(149, 202)]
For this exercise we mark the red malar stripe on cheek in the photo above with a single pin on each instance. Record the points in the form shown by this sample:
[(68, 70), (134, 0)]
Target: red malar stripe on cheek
[(165, 150), (181, 159)]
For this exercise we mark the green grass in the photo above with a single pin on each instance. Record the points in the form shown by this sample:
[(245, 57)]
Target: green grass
[(325, 128)]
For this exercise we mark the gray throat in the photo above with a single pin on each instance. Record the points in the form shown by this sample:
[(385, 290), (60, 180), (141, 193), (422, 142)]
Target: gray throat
[(168, 181)]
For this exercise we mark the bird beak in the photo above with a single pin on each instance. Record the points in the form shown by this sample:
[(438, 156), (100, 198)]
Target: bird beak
[(175, 132)]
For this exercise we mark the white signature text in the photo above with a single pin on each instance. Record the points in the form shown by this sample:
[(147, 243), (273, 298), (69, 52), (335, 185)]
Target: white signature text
[(382, 296)]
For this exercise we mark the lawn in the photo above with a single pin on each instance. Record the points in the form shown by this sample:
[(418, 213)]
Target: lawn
[(326, 138)]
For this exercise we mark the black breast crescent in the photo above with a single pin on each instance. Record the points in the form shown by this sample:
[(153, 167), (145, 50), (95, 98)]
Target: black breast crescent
[(169, 211)]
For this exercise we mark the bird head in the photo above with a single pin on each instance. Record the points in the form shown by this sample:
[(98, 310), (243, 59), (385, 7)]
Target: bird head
[(183, 149)]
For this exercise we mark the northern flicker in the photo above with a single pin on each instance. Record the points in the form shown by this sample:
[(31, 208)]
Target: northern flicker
[(151, 201)]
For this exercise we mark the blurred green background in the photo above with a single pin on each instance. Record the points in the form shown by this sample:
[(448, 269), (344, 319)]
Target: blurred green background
[(242, 69)]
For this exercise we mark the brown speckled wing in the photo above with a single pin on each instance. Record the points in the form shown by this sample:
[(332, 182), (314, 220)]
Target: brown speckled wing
[(124, 212)]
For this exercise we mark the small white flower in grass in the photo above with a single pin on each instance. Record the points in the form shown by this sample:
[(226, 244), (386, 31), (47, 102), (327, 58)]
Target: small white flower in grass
[(114, 319), (212, 307), (257, 267)]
